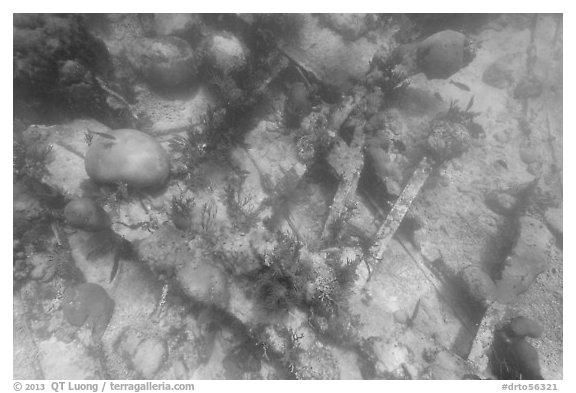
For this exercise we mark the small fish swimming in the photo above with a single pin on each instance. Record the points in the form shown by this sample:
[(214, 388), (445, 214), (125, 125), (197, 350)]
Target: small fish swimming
[(461, 86), (102, 134), (470, 103), (115, 266)]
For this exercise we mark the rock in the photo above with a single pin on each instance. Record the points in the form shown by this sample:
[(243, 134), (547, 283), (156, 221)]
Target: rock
[(145, 354), (275, 156), (167, 252), (389, 357), (429, 354), (529, 155), (447, 366), (349, 26), (529, 258), (401, 316), (131, 156), (41, 43), (26, 209), (525, 359), (227, 53), (447, 140), (148, 357), (84, 213), (88, 303), (317, 363), (387, 170), (277, 339), (479, 283), (502, 136), (242, 359), (67, 144), (181, 25), (165, 62), (297, 104), (518, 357), (499, 74), (501, 202), (59, 360), (430, 251), (241, 306), (535, 168), (170, 115), (25, 347), (442, 54), (43, 265), (525, 327), (553, 217), (202, 281), (528, 87)]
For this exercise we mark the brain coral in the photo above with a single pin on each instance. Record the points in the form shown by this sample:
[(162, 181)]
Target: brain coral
[(129, 156), (88, 303)]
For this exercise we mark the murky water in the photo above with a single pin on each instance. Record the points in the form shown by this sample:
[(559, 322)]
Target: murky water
[(288, 196)]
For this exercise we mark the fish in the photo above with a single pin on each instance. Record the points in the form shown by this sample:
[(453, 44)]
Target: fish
[(102, 134), (461, 86), (410, 322), (116, 265), (470, 103)]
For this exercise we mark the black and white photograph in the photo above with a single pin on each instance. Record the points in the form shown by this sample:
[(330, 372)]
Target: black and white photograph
[(287, 196)]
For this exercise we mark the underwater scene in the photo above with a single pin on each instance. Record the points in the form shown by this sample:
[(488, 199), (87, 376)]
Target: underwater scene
[(287, 196)]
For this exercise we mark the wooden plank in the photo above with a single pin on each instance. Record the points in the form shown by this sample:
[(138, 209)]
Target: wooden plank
[(348, 162), (399, 210)]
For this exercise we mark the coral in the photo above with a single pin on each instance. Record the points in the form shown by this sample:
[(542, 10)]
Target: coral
[(30, 157), (129, 156), (447, 140), (455, 114), (298, 104), (227, 53), (204, 283), (337, 230), (165, 62), (145, 354), (164, 250), (281, 282), (387, 74), (208, 222), (84, 213), (148, 356), (88, 303), (314, 139), (240, 209), (528, 87), (189, 157), (181, 211), (514, 358), (525, 327), (442, 54)]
